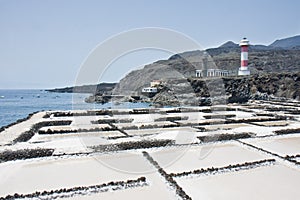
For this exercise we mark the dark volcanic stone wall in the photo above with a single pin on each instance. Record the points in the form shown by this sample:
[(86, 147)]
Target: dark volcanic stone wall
[(254, 87)]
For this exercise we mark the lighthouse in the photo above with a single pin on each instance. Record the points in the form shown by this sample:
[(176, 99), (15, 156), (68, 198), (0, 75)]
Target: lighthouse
[(243, 70)]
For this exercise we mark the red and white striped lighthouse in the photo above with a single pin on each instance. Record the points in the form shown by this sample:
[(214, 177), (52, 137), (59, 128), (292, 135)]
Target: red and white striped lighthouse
[(243, 70)]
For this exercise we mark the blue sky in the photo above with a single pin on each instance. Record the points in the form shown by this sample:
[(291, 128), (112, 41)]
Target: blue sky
[(43, 43)]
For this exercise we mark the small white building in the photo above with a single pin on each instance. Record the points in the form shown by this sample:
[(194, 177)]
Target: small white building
[(155, 83), (149, 90), (212, 73), (199, 73)]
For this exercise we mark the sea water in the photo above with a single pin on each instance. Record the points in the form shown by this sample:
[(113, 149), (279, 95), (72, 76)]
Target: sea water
[(17, 104)]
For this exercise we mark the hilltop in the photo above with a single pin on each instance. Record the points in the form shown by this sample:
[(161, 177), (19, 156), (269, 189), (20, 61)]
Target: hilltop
[(287, 43)]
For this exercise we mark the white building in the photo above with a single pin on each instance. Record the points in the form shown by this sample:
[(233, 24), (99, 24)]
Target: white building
[(212, 73), (155, 83), (149, 90), (199, 73)]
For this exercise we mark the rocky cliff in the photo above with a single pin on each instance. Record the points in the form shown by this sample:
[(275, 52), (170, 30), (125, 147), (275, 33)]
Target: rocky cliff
[(229, 89), (258, 86)]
